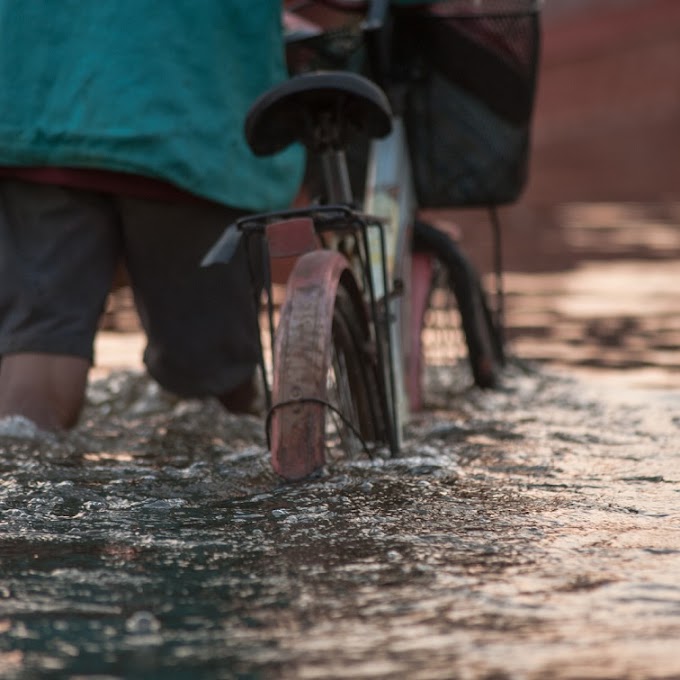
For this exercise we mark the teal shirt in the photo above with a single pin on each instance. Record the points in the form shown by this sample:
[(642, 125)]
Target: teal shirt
[(153, 87)]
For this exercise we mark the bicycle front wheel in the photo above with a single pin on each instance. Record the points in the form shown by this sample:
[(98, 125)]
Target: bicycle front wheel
[(325, 389), (456, 330)]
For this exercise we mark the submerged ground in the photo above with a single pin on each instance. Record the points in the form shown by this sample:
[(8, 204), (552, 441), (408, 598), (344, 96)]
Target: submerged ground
[(532, 532), (528, 532)]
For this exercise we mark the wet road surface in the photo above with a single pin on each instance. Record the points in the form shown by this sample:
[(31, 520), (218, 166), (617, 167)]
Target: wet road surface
[(530, 532)]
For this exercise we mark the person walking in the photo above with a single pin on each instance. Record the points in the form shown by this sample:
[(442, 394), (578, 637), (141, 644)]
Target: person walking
[(121, 138)]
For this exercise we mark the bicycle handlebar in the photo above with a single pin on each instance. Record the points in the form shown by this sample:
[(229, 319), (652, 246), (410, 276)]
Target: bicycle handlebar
[(375, 13)]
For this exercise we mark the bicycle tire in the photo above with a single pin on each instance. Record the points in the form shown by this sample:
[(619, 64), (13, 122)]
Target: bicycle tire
[(323, 367), (483, 341)]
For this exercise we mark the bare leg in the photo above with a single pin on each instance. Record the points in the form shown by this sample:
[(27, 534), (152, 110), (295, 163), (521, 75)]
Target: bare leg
[(48, 389)]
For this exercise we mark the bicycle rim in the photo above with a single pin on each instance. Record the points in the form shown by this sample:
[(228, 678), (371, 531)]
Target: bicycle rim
[(354, 417)]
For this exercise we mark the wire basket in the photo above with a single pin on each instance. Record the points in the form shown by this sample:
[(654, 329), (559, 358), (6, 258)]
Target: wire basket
[(470, 67)]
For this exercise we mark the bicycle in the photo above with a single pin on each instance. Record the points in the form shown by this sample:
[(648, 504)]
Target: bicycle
[(346, 352)]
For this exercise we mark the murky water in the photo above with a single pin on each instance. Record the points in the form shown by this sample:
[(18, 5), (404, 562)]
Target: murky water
[(530, 532)]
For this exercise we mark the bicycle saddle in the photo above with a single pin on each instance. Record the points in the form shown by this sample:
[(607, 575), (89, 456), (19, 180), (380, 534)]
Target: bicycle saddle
[(321, 109)]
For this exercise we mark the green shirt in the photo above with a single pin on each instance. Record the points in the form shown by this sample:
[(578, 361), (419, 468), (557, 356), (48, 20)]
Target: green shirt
[(154, 87)]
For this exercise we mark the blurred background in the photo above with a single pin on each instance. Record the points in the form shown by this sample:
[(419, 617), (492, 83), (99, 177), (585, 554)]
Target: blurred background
[(607, 125), (592, 250)]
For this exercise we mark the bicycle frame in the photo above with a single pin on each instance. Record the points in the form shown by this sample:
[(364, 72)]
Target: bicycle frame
[(379, 259), (321, 249), (359, 282), (390, 195)]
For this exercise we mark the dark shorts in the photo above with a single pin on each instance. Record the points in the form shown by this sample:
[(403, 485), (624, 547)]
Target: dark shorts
[(58, 254)]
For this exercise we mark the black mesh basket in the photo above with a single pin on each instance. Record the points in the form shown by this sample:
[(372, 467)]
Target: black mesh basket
[(470, 68)]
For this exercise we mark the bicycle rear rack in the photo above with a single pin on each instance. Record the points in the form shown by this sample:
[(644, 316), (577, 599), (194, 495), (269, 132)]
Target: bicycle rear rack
[(342, 221)]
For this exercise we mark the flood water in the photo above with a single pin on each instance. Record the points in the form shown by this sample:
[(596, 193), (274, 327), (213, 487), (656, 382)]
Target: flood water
[(528, 532)]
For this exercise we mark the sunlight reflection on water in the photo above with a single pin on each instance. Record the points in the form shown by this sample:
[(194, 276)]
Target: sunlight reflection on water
[(529, 532)]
